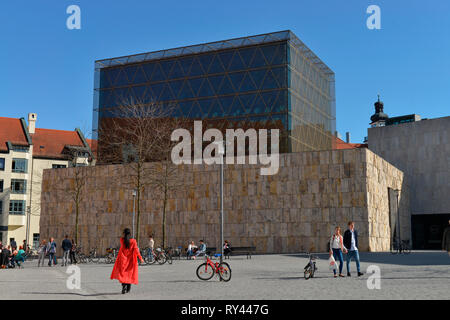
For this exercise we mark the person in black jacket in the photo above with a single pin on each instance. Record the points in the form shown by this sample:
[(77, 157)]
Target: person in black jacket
[(351, 244), (66, 246)]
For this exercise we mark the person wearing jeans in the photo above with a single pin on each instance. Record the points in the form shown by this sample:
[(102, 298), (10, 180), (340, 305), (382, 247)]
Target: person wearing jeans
[(41, 252), (351, 244), (66, 246), (51, 249), (336, 249)]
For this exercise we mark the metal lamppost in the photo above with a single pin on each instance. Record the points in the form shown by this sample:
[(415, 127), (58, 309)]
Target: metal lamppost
[(221, 152), (134, 209), (397, 192)]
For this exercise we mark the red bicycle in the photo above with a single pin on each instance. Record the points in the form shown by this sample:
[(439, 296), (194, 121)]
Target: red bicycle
[(206, 270)]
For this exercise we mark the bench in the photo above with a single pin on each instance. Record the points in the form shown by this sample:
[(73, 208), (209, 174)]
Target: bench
[(241, 250), (209, 251)]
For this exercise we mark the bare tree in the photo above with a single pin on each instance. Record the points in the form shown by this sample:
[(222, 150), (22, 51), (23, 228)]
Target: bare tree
[(139, 132)]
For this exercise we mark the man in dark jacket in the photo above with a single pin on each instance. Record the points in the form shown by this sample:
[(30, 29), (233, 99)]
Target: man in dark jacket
[(351, 244), (66, 246), (446, 239)]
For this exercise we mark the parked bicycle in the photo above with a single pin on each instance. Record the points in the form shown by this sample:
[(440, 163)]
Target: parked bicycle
[(93, 257), (152, 256), (400, 247), (111, 255), (80, 256), (206, 270), (311, 267)]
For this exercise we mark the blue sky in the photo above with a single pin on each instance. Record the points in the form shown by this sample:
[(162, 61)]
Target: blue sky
[(48, 69)]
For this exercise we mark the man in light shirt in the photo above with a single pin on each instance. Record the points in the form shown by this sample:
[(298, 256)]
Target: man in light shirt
[(351, 244)]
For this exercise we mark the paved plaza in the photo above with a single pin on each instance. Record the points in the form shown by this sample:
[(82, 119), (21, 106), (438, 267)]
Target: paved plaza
[(420, 275)]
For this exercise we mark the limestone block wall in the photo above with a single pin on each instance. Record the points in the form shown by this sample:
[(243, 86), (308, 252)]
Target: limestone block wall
[(295, 210)]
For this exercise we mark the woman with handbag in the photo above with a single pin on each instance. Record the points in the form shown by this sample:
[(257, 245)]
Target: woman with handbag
[(126, 266), (336, 250)]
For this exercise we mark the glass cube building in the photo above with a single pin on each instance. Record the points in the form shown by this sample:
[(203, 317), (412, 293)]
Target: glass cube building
[(266, 81)]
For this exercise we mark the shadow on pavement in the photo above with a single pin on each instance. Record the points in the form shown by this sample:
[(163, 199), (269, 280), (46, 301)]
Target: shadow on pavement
[(76, 294), (415, 258)]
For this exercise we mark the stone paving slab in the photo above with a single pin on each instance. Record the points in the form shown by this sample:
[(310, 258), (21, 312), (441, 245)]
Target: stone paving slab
[(420, 275)]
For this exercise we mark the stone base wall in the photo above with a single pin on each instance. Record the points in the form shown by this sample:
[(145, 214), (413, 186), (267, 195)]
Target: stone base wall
[(295, 210)]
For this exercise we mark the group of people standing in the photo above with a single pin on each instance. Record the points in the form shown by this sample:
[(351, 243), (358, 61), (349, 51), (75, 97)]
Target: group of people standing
[(48, 250), (345, 244)]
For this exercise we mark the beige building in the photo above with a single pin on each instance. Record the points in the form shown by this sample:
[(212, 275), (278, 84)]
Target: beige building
[(292, 211), (25, 151)]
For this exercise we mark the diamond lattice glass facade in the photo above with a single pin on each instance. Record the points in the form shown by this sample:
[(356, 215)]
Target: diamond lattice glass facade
[(265, 81)]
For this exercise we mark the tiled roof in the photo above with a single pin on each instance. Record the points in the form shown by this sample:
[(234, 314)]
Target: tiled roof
[(11, 130), (93, 145), (340, 145), (50, 143)]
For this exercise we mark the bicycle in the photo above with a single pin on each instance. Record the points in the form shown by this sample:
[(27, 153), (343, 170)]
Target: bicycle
[(151, 256), (206, 270), (311, 267), (93, 257), (402, 247), (169, 252), (111, 255)]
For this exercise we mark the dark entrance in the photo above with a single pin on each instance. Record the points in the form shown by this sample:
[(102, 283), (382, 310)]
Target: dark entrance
[(428, 230)]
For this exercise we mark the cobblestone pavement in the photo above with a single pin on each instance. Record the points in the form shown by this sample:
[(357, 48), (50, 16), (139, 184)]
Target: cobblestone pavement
[(420, 275)]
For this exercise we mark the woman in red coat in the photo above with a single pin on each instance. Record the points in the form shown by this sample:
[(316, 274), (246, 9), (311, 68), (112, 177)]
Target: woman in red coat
[(126, 267)]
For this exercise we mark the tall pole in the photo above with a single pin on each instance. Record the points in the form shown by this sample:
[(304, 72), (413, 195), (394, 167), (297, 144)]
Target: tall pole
[(398, 220), (134, 209), (221, 209)]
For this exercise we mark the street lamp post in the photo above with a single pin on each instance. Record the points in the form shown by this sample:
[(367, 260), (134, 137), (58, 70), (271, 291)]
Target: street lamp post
[(397, 192), (134, 209), (221, 151)]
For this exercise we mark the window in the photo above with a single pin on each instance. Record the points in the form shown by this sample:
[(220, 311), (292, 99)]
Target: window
[(19, 165), (1, 186), (2, 164), (58, 166), (16, 207), (1, 207), (20, 148), (36, 238), (18, 186)]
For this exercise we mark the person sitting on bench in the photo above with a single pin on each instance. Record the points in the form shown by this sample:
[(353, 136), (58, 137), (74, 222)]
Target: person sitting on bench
[(201, 249), (226, 248)]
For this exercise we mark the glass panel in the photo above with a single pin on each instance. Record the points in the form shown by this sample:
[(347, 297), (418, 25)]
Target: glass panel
[(148, 70), (139, 93), (247, 101), (226, 57), (196, 111), (280, 76), (215, 110), (186, 91), (259, 106), (247, 55), (185, 107), (269, 52), (205, 61), (236, 79), (139, 76), (270, 98), (205, 105), (157, 89), (185, 64), (177, 71), (166, 93), (215, 82), (269, 81), (196, 68), (226, 87), (227, 103), (121, 79), (258, 76), (130, 72), (111, 75), (258, 59), (247, 84), (205, 89), (176, 87), (280, 56), (166, 67), (236, 63), (216, 66), (195, 85), (158, 74)]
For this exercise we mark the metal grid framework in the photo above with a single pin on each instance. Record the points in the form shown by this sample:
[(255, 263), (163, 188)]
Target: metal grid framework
[(266, 81)]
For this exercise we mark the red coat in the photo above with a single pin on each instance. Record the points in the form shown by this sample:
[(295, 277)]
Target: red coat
[(126, 267)]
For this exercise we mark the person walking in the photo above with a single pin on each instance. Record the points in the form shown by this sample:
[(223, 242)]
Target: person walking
[(42, 251), (226, 248), (446, 239), (66, 246), (351, 245), (151, 245), (126, 266), (73, 250), (13, 244), (51, 250), (336, 250)]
